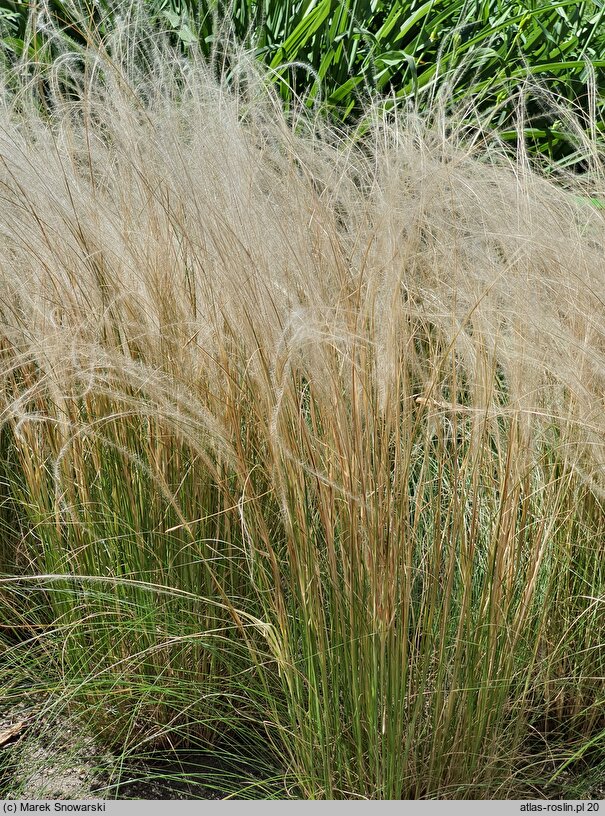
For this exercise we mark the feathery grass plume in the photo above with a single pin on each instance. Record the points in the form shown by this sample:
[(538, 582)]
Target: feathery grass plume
[(302, 434)]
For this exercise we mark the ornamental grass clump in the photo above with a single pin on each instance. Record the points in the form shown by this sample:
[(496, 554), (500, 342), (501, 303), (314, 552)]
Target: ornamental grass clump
[(302, 434)]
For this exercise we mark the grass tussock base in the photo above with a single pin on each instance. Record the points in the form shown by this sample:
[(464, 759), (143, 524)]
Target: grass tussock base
[(302, 443)]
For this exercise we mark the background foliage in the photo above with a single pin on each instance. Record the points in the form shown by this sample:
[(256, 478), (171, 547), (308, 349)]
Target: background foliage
[(338, 54)]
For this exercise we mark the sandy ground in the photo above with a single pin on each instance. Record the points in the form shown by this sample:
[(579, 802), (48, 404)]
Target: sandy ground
[(45, 757)]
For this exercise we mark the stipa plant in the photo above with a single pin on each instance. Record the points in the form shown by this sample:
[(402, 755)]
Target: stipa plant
[(302, 437)]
